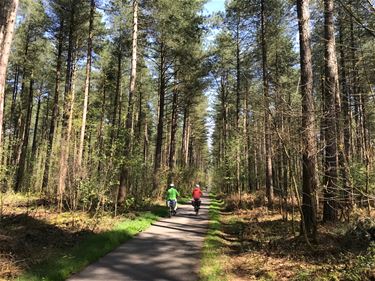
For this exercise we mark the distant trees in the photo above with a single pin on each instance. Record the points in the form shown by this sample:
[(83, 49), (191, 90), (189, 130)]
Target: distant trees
[(84, 95), (255, 74), (175, 39), (129, 126), (263, 60), (104, 108)]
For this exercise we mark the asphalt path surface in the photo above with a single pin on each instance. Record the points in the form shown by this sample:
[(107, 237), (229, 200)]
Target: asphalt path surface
[(170, 250)]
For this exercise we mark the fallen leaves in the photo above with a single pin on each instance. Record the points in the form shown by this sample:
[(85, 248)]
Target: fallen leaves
[(260, 245)]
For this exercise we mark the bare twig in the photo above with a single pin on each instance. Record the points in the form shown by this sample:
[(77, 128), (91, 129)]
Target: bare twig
[(372, 7), (357, 19)]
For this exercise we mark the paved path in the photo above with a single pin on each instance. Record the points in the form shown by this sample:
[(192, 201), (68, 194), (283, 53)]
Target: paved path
[(170, 250)]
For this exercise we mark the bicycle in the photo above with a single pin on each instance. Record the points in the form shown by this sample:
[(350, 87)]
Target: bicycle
[(196, 204), (172, 205)]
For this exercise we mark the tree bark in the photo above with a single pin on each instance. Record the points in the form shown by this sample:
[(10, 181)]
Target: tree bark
[(65, 139), (174, 123), (268, 144), (115, 129), (355, 93), (25, 142), (309, 160), (330, 114), (13, 118), (345, 102), (87, 84), (55, 108), (185, 135), (162, 86), (124, 177), (8, 10), (36, 126), (67, 112), (100, 142), (238, 102)]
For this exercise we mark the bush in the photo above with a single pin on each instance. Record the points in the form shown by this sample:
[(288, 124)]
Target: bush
[(361, 233), (246, 201), (363, 267)]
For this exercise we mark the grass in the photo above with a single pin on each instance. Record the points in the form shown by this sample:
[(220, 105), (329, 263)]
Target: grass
[(94, 246), (184, 200), (211, 267)]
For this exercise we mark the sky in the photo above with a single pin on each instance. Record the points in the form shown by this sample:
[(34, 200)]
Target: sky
[(214, 6)]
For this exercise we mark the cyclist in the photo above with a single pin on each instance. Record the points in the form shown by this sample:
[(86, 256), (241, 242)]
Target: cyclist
[(171, 197), (197, 194)]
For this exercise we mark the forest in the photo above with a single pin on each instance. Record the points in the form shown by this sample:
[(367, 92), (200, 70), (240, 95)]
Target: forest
[(270, 105)]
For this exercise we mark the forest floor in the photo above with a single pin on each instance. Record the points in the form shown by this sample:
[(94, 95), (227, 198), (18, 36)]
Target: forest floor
[(31, 232), (257, 244)]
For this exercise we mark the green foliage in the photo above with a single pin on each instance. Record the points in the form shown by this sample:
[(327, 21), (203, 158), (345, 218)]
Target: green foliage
[(363, 179), (90, 193), (238, 81), (302, 275), (357, 270), (363, 266)]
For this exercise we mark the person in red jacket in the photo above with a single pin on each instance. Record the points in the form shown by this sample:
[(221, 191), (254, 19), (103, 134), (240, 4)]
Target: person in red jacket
[(197, 194)]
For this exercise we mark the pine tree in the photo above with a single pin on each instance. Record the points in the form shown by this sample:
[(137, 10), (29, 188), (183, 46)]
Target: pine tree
[(309, 224), (8, 10)]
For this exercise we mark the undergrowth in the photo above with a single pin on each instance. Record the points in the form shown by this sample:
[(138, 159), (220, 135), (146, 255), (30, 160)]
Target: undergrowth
[(250, 242)]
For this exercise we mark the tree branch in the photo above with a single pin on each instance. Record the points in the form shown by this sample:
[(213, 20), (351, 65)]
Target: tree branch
[(357, 19)]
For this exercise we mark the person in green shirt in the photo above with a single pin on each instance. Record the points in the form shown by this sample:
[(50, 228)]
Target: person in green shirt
[(171, 197)]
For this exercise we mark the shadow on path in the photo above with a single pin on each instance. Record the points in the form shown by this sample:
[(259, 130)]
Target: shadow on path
[(169, 250)]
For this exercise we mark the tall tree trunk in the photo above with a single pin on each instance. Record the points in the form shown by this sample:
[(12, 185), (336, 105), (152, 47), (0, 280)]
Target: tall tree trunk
[(13, 118), (124, 177), (268, 144), (141, 117), (308, 123), (174, 123), (238, 102), (8, 10), (115, 129), (331, 90), (44, 127), (67, 112), (101, 127), (238, 72), (145, 143), (256, 171), (20, 127), (225, 127), (345, 88), (55, 108), (66, 136), (345, 155), (248, 156), (87, 84), (36, 126), (354, 91), (160, 131), (185, 135), (25, 142)]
